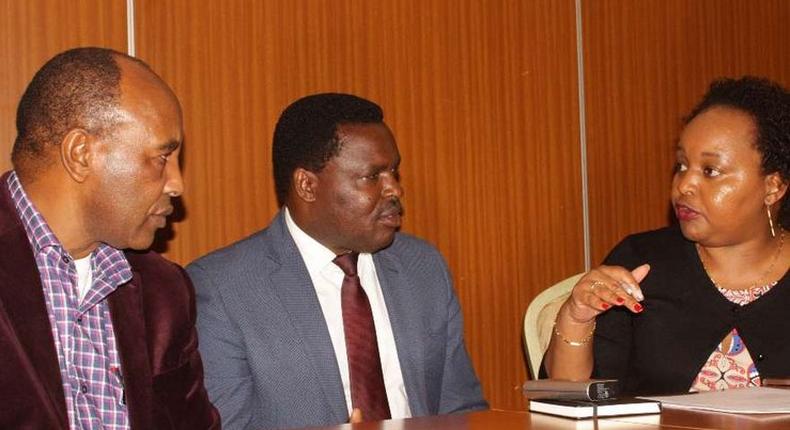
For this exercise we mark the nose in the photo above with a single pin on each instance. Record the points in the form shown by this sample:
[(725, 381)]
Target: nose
[(685, 183), (392, 186), (174, 182)]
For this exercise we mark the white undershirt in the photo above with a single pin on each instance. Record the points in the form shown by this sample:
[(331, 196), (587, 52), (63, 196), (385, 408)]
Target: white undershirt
[(328, 280), (84, 276)]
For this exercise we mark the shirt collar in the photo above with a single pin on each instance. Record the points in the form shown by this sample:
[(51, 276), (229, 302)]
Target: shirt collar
[(38, 232), (106, 259), (315, 255)]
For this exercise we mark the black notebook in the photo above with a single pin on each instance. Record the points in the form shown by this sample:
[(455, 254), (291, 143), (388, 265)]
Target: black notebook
[(580, 409)]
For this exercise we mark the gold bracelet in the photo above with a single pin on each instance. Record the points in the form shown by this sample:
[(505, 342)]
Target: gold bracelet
[(582, 342)]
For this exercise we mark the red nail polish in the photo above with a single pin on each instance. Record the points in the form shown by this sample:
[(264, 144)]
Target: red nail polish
[(605, 305), (638, 308), (620, 300)]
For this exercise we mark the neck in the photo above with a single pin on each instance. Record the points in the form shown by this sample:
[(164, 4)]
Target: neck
[(750, 264), (312, 225), (58, 203)]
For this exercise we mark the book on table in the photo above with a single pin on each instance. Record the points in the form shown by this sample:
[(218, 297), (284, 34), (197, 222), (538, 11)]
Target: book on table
[(633, 422), (590, 389), (580, 409)]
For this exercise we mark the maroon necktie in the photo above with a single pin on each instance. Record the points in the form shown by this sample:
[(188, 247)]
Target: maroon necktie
[(364, 364)]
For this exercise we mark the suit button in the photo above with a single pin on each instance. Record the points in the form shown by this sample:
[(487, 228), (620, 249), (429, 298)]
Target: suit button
[(735, 309), (760, 357)]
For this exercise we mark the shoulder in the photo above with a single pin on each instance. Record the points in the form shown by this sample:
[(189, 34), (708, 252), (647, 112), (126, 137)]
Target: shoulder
[(654, 245), (251, 250), (151, 266), (243, 265), (411, 250), (253, 253), (668, 236), (165, 286), (418, 263), (236, 254)]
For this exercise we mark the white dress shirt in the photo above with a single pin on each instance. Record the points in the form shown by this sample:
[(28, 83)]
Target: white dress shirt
[(328, 280)]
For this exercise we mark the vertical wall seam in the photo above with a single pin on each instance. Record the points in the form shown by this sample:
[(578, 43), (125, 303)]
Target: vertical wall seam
[(130, 47), (583, 137)]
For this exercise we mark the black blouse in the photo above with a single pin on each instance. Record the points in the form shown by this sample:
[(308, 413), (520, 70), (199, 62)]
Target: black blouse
[(662, 349)]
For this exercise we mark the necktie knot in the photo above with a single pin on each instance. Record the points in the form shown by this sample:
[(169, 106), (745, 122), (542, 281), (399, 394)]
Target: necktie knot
[(347, 263)]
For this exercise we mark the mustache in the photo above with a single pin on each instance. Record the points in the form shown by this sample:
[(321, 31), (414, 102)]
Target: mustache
[(393, 205)]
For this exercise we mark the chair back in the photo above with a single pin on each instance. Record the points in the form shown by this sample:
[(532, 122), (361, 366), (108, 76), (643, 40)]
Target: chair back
[(539, 320)]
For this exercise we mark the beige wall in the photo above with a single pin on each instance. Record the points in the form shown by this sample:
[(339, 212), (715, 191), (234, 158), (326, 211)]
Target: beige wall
[(481, 95)]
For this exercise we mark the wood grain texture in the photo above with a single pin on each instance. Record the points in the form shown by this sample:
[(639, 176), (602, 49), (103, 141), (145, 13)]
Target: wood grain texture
[(647, 63), (32, 31), (481, 97)]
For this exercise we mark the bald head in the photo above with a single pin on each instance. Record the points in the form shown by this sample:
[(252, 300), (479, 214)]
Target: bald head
[(77, 89)]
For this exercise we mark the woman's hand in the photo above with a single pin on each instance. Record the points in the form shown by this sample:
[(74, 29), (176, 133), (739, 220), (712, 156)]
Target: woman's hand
[(570, 353), (602, 288)]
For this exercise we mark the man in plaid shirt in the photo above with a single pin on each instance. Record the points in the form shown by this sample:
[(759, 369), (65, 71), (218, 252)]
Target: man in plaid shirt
[(94, 335)]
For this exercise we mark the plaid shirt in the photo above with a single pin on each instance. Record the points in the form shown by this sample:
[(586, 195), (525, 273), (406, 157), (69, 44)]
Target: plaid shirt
[(83, 333)]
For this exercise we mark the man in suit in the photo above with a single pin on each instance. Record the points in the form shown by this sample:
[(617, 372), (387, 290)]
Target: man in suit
[(92, 335), (330, 310)]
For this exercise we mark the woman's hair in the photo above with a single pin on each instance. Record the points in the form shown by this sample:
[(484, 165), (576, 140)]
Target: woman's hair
[(769, 105)]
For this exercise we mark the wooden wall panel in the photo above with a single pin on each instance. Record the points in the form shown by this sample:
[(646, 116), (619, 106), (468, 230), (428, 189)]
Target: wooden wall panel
[(647, 63), (480, 95), (32, 31)]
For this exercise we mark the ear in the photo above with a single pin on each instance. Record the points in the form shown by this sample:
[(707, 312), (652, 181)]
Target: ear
[(305, 184), (775, 188), (75, 154)]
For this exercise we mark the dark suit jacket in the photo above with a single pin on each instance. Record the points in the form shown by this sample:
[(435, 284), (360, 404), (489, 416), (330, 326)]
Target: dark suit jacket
[(269, 358), (154, 321)]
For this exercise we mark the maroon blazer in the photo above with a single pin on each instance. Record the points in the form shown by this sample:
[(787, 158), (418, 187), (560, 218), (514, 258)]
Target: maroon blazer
[(153, 317)]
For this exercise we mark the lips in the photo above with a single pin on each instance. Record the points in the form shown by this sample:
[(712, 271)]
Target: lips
[(165, 212), (391, 217), (685, 213), (392, 221), (160, 216)]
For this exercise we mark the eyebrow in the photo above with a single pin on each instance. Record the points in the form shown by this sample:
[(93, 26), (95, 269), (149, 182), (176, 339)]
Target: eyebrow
[(708, 154), (711, 154)]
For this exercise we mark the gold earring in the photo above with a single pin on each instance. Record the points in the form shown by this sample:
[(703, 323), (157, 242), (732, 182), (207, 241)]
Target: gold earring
[(770, 221)]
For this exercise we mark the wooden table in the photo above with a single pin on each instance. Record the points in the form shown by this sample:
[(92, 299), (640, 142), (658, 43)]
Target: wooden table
[(506, 420)]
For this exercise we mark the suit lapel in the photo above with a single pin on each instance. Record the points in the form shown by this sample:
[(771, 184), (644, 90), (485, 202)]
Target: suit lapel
[(292, 284), (406, 328), (22, 300), (126, 309)]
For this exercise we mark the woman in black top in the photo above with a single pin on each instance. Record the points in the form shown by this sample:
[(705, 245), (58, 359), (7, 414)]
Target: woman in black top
[(705, 304)]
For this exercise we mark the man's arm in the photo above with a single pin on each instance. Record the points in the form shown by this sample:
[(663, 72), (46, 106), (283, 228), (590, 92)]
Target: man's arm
[(201, 413), (461, 391), (228, 379)]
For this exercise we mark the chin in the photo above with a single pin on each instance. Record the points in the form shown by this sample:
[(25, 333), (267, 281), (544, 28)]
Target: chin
[(384, 243), (140, 243), (704, 237), (371, 247), (689, 233)]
